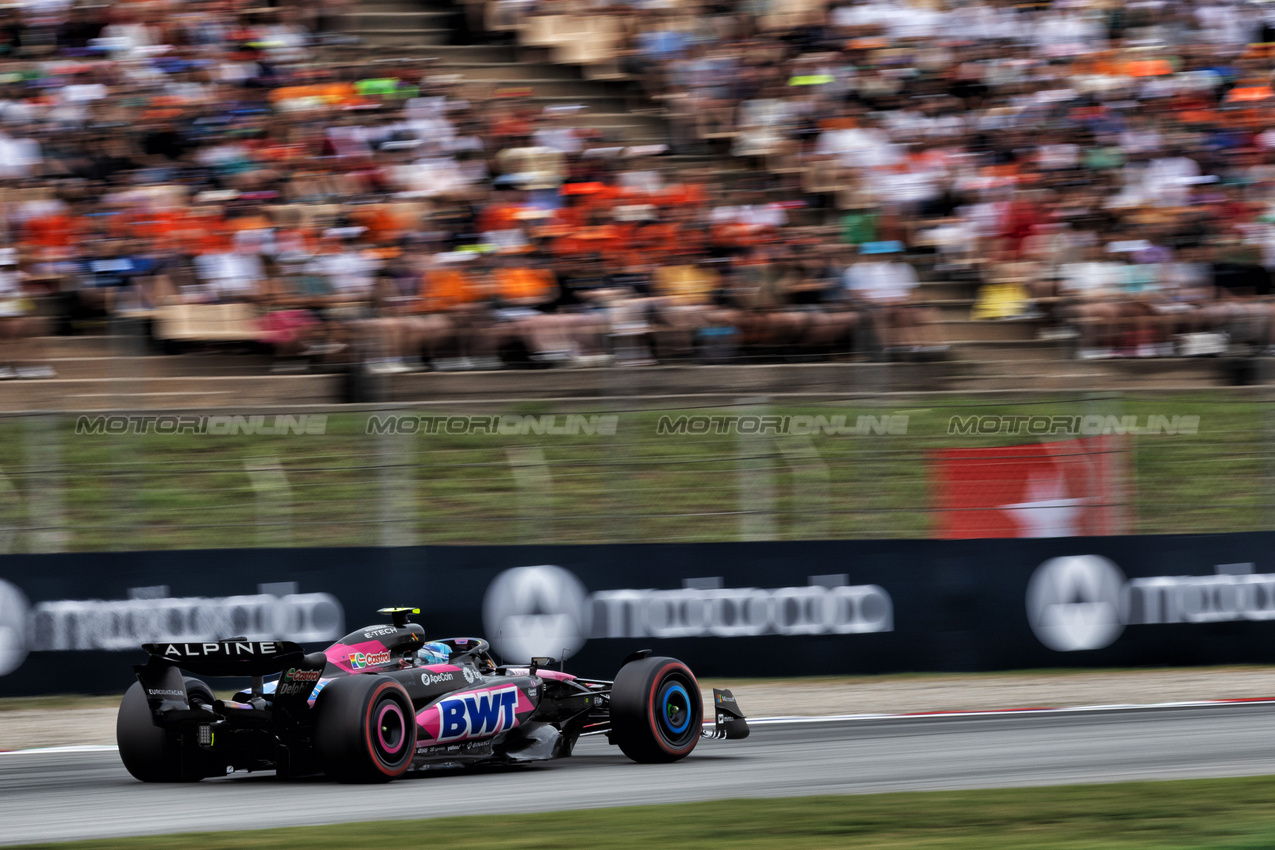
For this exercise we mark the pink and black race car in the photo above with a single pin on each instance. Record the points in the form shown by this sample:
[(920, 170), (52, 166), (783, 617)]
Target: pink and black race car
[(383, 701)]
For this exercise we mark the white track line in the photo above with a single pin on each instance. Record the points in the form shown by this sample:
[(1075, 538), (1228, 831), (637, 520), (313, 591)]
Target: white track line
[(75, 748), (997, 712), (794, 720)]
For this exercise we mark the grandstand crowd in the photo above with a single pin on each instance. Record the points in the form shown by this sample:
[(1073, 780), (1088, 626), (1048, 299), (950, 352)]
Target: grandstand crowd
[(1100, 169)]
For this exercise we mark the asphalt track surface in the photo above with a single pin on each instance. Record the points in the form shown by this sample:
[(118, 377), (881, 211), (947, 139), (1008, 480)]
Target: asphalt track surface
[(48, 796)]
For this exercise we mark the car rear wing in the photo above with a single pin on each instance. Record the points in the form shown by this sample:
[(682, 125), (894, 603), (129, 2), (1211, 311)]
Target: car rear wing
[(229, 657), (166, 691)]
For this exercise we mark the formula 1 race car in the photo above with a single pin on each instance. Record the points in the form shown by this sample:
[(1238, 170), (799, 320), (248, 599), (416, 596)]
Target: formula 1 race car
[(383, 700)]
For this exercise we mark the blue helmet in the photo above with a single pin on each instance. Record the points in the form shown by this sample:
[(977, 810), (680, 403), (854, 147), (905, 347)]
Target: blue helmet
[(434, 653)]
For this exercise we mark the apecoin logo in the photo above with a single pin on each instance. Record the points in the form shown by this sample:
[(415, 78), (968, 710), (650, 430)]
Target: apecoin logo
[(1073, 603), (13, 627), (536, 611)]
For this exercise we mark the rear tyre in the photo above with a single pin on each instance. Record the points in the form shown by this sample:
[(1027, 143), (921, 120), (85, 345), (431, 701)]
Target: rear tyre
[(198, 694), (364, 730), (656, 710), (149, 753)]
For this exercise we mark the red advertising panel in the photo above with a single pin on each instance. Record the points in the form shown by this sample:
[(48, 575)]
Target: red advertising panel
[(1062, 489)]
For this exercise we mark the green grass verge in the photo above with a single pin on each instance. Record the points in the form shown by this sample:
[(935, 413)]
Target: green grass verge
[(346, 487), (1223, 813)]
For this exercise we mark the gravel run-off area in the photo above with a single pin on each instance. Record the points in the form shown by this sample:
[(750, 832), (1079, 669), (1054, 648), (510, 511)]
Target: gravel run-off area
[(49, 727)]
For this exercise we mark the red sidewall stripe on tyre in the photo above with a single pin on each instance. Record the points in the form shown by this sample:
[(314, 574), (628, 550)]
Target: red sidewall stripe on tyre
[(650, 715), (367, 727)]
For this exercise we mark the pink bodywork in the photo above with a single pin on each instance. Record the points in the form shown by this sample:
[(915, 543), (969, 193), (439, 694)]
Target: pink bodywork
[(542, 673), (430, 718), (339, 654)]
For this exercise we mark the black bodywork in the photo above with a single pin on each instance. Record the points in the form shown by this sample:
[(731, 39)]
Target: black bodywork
[(466, 709)]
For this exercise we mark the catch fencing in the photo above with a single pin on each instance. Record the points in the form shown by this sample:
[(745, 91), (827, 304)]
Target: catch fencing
[(613, 471)]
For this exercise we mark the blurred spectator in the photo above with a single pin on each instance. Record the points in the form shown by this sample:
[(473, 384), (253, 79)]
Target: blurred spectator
[(1099, 169), (886, 289), (17, 323)]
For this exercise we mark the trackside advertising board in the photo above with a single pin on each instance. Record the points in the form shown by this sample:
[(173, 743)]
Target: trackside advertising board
[(73, 623)]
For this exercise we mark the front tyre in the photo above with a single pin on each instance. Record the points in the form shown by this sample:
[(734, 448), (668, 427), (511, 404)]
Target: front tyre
[(149, 753), (365, 729), (656, 710)]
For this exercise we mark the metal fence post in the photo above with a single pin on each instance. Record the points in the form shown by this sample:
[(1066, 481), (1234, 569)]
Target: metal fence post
[(274, 501), (10, 516), (1268, 441), (396, 454), (810, 496), (755, 477), (535, 492), (127, 368), (45, 486)]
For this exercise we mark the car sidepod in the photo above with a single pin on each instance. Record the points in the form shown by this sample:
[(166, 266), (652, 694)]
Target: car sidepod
[(490, 718)]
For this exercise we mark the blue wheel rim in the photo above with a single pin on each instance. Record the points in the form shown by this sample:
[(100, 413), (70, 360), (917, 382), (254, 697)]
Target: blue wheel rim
[(684, 708)]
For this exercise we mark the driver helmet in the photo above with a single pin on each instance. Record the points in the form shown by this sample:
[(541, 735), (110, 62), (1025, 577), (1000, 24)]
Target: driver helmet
[(434, 653)]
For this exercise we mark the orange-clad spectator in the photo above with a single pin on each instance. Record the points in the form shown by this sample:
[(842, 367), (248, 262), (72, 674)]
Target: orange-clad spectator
[(504, 214), (522, 284), (448, 286), (384, 222), (603, 239), (654, 240), (204, 231), (156, 224), (50, 234), (681, 195)]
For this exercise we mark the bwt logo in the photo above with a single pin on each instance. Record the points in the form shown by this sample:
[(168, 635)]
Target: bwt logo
[(477, 715)]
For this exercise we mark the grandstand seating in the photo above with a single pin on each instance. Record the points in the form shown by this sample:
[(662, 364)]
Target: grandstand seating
[(565, 59)]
